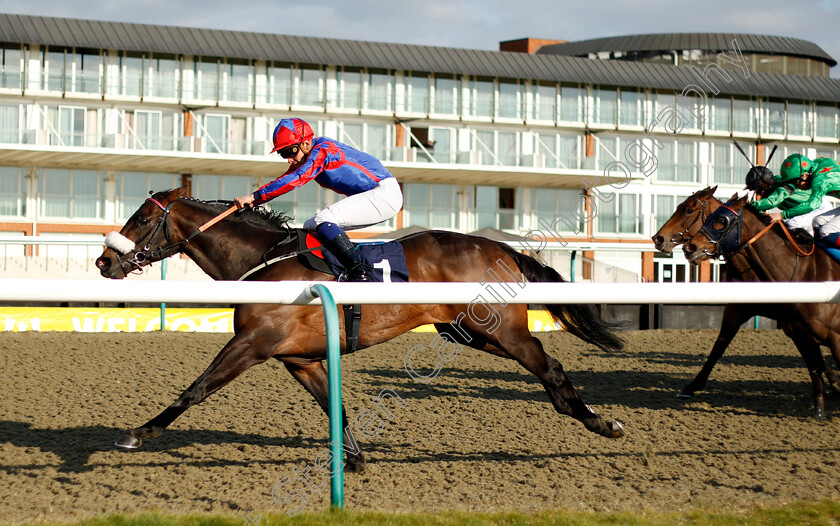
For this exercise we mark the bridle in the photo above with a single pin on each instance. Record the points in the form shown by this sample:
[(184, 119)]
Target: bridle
[(681, 238), (137, 259)]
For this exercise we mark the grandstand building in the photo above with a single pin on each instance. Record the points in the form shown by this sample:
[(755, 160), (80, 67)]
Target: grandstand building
[(94, 115)]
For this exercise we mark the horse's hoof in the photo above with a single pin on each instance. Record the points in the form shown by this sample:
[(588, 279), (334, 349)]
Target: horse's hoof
[(616, 429), (819, 414), (357, 467), (128, 441), (685, 394)]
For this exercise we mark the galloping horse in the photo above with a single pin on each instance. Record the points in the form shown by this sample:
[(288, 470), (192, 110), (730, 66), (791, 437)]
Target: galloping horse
[(680, 228), (295, 335), (775, 254)]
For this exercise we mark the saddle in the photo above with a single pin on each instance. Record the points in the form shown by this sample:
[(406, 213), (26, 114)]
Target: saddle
[(386, 262)]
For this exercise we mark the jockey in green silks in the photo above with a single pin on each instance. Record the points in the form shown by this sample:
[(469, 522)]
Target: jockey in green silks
[(798, 193)]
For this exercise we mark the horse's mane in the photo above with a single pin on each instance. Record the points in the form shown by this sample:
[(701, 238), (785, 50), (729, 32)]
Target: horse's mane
[(258, 216)]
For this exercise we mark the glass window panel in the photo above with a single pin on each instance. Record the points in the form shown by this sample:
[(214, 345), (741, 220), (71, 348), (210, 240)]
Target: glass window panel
[(507, 152), (12, 194), (86, 77), (9, 123), (664, 207), (443, 209), (826, 125), (378, 143), (631, 108), (207, 85), (545, 104), (482, 98), (165, 78), (418, 204), (71, 126), (379, 91), (742, 115), (546, 147), (607, 216), (628, 214), (54, 72), (10, 69), (281, 86), (239, 83), (570, 151), (87, 194), (486, 206), (133, 76), (667, 168), (509, 100), (311, 87), (607, 104), (352, 133), (570, 106), (147, 129), (722, 169), (485, 145), (418, 99), (774, 121), (445, 95), (349, 89), (797, 119), (55, 193), (216, 128), (721, 114), (687, 166)]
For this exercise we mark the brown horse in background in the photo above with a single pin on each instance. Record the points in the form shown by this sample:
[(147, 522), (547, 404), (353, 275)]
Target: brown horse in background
[(295, 335), (680, 228), (777, 257)]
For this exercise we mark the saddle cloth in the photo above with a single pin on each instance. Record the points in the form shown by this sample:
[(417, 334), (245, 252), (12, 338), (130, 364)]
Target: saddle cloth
[(386, 261)]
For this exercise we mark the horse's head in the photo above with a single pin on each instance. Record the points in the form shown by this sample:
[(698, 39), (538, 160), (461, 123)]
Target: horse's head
[(720, 234), (144, 239), (686, 220)]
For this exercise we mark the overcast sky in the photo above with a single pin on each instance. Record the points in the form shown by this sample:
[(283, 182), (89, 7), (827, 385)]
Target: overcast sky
[(476, 24)]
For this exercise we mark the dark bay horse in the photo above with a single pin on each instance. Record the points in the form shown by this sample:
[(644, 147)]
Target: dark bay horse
[(295, 335), (680, 228), (777, 255)]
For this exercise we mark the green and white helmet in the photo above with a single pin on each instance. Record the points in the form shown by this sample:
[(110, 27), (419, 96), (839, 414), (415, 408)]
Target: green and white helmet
[(794, 167)]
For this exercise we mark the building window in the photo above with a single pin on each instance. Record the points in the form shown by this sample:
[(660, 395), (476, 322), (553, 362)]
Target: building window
[(797, 119), (237, 85), (52, 71), (510, 99), (280, 85), (606, 104), (417, 92), (379, 141), (825, 121), (228, 187), (619, 214), (352, 133), (678, 162), (721, 114), (742, 116), (132, 76), (570, 151), (74, 194), (349, 89), (664, 207), (631, 107), (431, 205), (164, 78), (133, 188), (206, 79), (380, 90), (508, 150), (311, 86), (570, 104), (483, 101), (609, 151), (728, 165), (550, 205), (545, 148), (71, 126), (545, 102), (773, 118), (446, 95), (12, 192), (216, 133), (495, 208), (10, 68), (485, 145), (147, 130), (10, 124), (85, 74), (301, 204)]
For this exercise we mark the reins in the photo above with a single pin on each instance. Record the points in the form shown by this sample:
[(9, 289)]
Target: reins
[(787, 234)]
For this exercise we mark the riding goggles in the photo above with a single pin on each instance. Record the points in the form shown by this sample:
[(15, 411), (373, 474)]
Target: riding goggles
[(289, 151)]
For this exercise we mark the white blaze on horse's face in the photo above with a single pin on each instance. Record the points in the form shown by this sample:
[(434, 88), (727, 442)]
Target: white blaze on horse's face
[(119, 243)]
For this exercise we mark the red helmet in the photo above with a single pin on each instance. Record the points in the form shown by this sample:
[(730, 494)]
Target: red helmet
[(291, 131)]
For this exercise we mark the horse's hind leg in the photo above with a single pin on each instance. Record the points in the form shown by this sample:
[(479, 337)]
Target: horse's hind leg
[(815, 362), (528, 351), (234, 358), (313, 377), (733, 317)]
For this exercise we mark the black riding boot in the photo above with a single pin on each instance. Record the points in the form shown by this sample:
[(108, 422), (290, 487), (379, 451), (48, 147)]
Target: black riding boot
[(345, 251)]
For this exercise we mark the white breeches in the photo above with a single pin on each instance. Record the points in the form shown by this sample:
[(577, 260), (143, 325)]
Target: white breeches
[(367, 208), (809, 221), (828, 221)]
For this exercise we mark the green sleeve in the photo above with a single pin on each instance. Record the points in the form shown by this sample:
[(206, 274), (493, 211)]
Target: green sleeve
[(773, 200), (819, 188)]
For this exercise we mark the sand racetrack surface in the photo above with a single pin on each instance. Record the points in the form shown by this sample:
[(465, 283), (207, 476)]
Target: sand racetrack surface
[(480, 436)]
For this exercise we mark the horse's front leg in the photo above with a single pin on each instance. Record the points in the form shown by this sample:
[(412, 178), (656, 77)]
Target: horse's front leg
[(734, 316), (313, 377), (815, 362), (236, 356)]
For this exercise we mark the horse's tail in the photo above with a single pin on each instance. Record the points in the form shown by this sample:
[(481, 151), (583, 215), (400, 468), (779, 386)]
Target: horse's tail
[(580, 320)]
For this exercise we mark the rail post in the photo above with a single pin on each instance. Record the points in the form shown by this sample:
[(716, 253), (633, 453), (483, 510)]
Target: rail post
[(334, 375)]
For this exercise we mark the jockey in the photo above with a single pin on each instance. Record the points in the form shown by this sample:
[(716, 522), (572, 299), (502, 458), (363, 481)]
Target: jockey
[(800, 188), (782, 195), (373, 194)]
